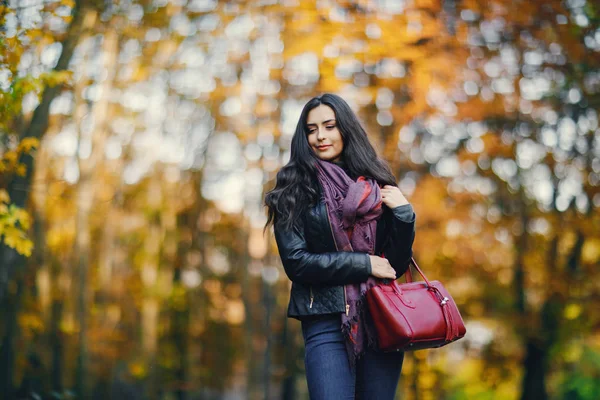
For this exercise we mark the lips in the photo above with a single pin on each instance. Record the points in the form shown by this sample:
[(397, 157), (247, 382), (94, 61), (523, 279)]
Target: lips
[(325, 147)]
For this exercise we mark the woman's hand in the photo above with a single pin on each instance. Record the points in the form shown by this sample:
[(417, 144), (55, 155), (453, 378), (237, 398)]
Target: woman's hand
[(381, 268), (392, 196)]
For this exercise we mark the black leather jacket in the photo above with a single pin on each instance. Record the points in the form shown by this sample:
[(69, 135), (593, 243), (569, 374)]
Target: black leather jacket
[(319, 272)]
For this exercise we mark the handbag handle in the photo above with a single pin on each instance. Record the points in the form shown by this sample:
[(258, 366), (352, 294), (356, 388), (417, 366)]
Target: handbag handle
[(408, 273)]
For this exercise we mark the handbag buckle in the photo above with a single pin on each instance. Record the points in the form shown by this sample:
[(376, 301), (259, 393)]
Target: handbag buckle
[(444, 301)]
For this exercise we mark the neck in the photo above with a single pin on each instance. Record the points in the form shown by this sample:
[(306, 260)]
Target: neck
[(339, 162)]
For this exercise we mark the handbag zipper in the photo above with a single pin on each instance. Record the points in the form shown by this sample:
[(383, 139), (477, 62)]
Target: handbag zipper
[(336, 247)]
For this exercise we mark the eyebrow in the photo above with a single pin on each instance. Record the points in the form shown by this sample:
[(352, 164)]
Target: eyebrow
[(324, 122)]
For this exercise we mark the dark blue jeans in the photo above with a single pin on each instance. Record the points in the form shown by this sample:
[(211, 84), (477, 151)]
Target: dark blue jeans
[(328, 371)]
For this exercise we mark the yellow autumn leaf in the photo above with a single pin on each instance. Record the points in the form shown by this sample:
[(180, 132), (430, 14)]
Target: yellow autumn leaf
[(62, 76), (12, 236), (53, 239), (23, 217), (137, 369), (10, 217), (68, 326), (24, 247), (427, 380), (31, 322), (28, 143), (4, 197), (21, 170), (573, 352), (11, 157), (55, 78), (572, 311), (591, 251)]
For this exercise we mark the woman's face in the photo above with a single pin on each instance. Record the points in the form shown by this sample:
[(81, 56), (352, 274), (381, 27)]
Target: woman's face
[(324, 136)]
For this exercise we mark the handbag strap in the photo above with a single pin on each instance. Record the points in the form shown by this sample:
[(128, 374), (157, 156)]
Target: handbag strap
[(409, 277)]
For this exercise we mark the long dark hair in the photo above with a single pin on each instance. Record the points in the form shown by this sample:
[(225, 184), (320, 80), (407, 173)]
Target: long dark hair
[(296, 187)]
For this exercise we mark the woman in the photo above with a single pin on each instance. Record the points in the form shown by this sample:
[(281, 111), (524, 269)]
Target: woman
[(336, 211)]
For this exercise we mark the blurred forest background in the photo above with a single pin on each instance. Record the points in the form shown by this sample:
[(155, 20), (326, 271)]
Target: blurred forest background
[(137, 140)]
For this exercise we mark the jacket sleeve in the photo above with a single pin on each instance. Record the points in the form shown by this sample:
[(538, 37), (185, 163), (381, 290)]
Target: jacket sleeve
[(398, 249), (333, 268)]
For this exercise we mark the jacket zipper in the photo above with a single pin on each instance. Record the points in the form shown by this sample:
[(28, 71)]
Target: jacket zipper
[(312, 297), (336, 246), (347, 305)]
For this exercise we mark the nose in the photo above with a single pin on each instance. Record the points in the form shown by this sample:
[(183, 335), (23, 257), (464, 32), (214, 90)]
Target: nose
[(320, 134)]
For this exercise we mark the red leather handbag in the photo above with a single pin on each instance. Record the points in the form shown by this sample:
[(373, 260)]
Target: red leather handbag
[(414, 315)]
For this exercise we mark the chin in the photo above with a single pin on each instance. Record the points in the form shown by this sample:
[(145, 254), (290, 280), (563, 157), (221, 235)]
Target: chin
[(328, 157)]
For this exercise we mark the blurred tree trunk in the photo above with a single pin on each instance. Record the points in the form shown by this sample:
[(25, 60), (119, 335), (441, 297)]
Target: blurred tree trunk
[(538, 346), (288, 343), (11, 263), (88, 166), (85, 196), (56, 336), (9, 331), (188, 306), (414, 381), (251, 375), (34, 374), (107, 256), (267, 298), (534, 364), (197, 307), (153, 245), (154, 252), (520, 251), (533, 378), (180, 308)]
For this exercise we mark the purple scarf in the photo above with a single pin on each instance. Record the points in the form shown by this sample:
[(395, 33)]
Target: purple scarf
[(353, 208)]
